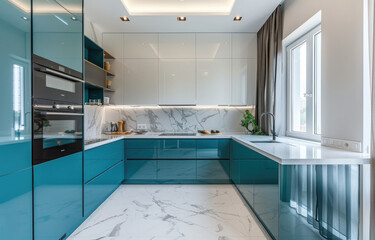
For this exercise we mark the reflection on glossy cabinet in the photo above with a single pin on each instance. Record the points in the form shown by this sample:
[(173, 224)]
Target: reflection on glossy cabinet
[(177, 82), (57, 197), (58, 33), (16, 205), (99, 188)]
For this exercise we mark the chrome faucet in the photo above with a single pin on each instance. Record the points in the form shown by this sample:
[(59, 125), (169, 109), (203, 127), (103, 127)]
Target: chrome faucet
[(273, 125)]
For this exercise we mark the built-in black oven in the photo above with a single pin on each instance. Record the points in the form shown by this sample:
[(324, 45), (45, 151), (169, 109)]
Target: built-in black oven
[(57, 111)]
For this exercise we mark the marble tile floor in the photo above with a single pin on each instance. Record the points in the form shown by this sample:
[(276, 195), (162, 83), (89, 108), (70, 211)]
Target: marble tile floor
[(172, 212)]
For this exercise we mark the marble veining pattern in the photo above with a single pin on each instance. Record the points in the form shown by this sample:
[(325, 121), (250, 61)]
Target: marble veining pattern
[(166, 119), (171, 212)]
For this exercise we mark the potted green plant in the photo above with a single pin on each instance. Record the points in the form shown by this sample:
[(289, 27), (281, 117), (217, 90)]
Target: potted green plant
[(249, 121)]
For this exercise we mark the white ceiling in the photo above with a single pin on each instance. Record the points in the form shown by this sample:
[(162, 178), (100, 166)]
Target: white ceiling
[(179, 7), (106, 15)]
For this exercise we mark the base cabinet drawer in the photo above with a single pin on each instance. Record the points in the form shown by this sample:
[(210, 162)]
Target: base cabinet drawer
[(98, 160), (140, 169), (16, 206), (213, 149), (213, 169), (97, 190), (176, 170)]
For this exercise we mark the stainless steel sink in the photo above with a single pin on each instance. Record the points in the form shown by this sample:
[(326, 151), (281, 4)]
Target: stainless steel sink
[(178, 134), (265, 141)]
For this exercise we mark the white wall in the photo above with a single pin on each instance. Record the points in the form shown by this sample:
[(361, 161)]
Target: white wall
[(342, 62), (93, 32), (220, 68)]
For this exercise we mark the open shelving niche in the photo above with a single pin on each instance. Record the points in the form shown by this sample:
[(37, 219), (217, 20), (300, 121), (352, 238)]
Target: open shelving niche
[(96, 76)]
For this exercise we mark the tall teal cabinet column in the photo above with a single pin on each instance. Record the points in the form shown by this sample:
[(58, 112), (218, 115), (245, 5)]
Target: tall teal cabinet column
[(15, 121), (57, 31)]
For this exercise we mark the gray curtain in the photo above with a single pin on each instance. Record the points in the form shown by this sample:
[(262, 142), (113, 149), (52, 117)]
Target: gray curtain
[(269, 64), (328, 197)]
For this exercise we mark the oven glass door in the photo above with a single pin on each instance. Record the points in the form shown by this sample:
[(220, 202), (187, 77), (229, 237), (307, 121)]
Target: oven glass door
[(58, 88), (56, 135)]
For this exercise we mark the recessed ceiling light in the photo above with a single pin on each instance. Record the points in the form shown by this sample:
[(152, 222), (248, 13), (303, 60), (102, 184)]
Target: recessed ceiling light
[(125, 19), (183, 19), (237, 18)]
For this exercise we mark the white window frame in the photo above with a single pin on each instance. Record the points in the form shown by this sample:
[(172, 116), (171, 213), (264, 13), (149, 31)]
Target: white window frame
[(311, 69)]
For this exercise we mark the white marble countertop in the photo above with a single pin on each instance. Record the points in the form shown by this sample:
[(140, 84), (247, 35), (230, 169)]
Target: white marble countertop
[(288, 151)]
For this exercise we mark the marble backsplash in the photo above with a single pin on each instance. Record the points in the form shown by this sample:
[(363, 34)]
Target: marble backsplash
[(165, 119)]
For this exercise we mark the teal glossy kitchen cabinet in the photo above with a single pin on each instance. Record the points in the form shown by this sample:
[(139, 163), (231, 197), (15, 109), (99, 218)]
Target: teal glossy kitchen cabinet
[(100, 159), (141, 170), (20, 154), (58, 31), (58, 197), (213, 149), (178, 161), (257, 179), (98, 189), (16, 205), (177, 149), (177, 170), (15, 121)]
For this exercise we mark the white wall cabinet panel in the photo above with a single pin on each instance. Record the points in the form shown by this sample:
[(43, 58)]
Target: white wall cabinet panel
[(213, 45), (117, 67), (214, 82), (251, 81), (240, 74), (177, 82), (114, 44), (141, 81), (180, 45), (141, 46), (244, 45)]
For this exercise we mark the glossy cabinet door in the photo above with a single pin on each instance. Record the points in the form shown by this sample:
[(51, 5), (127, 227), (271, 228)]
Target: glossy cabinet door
[(177, 149), (16, 205), (57, 32), (213, 149), (177, 170), (257, 179), (15, 91), (15, 121), (58, 197), (141, 170), (99, 188), (100, 159)]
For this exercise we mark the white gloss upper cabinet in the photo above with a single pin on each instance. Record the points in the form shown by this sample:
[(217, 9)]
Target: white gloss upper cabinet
[(213, 81), (141, 46), (213, 45), (114, 44), (244, 45), (240, 76), (141, 81), (177, 82), (179, 45)]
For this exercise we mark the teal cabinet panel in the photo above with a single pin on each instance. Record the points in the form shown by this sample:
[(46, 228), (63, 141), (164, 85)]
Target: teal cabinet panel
[(141, 170), (98, 160), (58, 32), (177, 149), (213, 149), (16, 205), (14, 157), (58, 197), (141, 154), (176, 170), (97, 190), (213, 169), (142, 144)]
